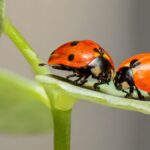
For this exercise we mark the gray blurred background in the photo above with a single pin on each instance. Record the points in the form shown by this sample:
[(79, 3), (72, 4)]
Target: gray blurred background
[(122, 27)]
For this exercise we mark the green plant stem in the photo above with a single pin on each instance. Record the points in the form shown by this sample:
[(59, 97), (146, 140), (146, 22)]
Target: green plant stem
[(62, 126), (24, 48)]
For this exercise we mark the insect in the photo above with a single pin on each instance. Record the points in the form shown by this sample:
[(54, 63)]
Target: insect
[(134, 74), (84, 58)]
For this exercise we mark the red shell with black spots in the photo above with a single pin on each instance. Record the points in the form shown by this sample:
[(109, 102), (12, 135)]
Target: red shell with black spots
[(77, 54), (141, 73)]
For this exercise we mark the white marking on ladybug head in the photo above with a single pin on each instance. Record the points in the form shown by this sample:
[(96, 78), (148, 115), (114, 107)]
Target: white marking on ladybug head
[(96, 71), (125, 85)]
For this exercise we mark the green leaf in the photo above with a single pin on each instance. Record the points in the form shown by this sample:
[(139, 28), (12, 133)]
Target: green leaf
[(108, 95), (2, 14), (24, 106)]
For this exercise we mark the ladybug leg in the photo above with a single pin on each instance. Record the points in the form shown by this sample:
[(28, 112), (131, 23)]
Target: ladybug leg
[(130, 94), (125, 92), (77, 80), (103, 79), (81, 80), (82, 74), (148, 93), (96, 85), (84, 80), (72, 75), (140, 96)]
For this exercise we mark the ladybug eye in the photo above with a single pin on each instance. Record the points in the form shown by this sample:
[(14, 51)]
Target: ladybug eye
[(71, 57)]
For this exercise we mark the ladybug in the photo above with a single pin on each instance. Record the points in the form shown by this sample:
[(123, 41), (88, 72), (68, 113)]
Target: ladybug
[(134, 74), (84, 58)]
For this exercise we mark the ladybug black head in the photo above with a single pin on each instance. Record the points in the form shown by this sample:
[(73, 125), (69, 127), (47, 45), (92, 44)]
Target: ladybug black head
[(123, 78)]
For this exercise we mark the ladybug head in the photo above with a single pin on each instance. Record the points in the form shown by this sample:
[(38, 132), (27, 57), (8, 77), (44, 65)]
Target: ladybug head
[(123, 78)]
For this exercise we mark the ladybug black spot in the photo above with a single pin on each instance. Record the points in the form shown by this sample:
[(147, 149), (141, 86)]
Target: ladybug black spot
[(52, 53), (96, 50), (74, 43), (71, 57), (134, 63)]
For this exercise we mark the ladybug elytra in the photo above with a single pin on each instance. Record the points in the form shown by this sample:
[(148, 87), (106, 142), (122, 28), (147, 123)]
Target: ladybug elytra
[(84, 58), (134, 74)]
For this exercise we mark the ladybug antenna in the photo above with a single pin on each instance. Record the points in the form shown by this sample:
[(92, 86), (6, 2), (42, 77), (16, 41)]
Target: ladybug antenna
[(42, 64)]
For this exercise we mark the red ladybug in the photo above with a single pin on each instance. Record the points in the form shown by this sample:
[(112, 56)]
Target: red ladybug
[(85, 58), (134, 74)]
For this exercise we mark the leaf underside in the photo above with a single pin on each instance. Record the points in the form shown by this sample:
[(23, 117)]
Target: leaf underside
[(24, 107), (107, 96)]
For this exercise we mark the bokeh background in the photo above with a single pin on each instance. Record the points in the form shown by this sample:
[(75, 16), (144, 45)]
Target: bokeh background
[(122, 27)]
